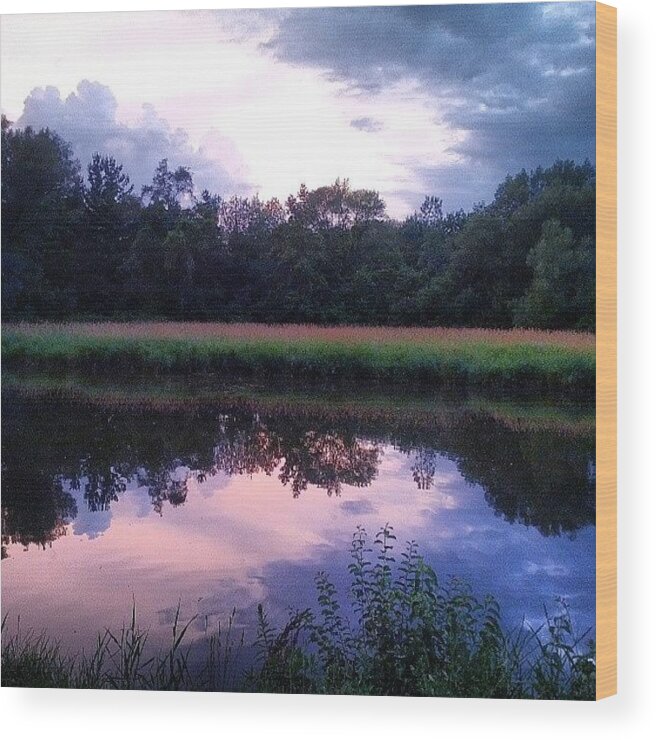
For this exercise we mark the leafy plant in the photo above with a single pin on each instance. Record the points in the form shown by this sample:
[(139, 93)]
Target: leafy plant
[(410, 634), (405, 633)]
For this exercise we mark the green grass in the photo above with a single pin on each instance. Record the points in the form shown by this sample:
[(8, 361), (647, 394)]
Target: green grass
[(406, 634), (474, 358)]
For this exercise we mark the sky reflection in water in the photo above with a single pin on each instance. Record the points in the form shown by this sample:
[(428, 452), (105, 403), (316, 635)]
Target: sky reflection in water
[(239, 515)]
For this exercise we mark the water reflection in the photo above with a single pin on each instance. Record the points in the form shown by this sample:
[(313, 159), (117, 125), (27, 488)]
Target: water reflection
[(539, 475), (237, 497)]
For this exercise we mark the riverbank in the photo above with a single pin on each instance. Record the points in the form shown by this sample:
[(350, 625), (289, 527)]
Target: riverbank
[(518, 359)]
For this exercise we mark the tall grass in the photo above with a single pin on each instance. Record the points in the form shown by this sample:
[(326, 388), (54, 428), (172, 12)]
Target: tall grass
[(406, 633), (563, 360), (301, 332), (121, 660)]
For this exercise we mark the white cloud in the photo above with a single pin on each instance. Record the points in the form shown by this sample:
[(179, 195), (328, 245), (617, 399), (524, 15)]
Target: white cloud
[(268, 123)]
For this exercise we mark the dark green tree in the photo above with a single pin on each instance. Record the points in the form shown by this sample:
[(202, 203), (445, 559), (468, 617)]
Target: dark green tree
[(41, 214), (329, 255), (169, 187), (561, 293), (191, 261), (146, 290), (110, 219)]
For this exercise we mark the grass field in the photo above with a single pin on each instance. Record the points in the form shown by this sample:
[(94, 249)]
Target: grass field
[(479, 357)]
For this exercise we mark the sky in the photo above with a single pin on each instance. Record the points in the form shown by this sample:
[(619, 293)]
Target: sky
[(410, 101)]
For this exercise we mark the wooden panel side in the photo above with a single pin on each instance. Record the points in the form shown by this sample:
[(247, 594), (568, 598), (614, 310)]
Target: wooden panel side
[(606, 64)]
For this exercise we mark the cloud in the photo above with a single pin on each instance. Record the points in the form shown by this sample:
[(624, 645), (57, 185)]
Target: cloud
[(368, 124), (452, 97), (87, 120), (518, 81), (93, 524)]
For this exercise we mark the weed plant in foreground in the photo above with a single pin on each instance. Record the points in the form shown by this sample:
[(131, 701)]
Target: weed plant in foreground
[(406, 633), (477, 357)]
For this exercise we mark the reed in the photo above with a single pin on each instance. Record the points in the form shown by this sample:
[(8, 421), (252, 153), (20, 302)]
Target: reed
[(474, 357)]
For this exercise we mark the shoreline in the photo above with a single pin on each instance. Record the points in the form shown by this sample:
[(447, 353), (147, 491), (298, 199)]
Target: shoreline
[(476, 358)]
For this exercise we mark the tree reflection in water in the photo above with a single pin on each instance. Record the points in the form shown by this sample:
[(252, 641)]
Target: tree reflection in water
[(424, 466), (542, 477)]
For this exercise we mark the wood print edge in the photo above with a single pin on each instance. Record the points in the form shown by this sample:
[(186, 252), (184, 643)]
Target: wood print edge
[(606, 314)]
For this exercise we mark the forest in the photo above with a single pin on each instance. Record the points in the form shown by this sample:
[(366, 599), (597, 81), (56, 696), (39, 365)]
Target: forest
[(84, 244)]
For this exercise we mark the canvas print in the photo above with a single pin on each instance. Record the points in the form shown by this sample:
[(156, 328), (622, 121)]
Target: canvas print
[(298, 350)]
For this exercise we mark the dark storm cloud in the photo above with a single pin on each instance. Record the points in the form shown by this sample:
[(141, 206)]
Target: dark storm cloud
[(517, 80), (370, 125), (87, 120)]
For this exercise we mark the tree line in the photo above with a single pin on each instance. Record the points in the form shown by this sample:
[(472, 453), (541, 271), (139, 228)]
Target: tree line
[(91, 247)]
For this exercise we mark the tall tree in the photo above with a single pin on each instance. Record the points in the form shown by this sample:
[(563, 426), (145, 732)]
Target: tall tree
[(334, 206), (192, 262), (111, 216), (169, 187), (41, 213), (561, 293)]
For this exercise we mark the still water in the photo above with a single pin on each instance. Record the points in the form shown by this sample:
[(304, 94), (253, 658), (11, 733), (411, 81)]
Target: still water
[(230, 497)]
